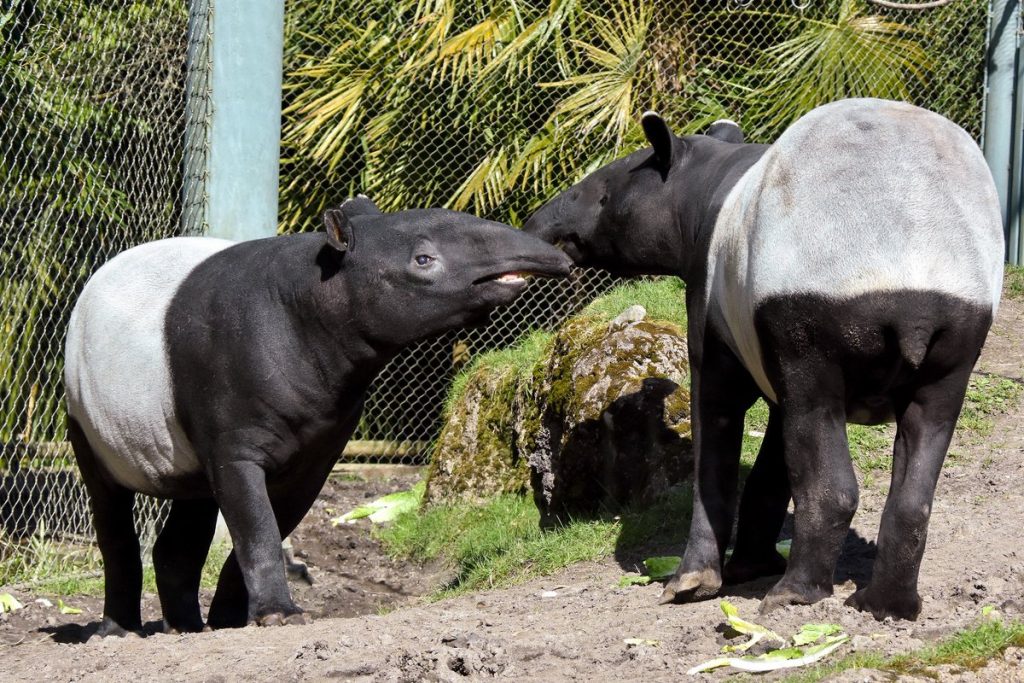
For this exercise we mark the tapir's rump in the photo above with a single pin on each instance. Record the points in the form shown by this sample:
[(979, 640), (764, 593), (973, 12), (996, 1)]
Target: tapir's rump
[(116, 339), (858, 197)]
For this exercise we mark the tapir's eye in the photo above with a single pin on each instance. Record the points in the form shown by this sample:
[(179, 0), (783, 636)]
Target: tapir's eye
[(424, 260), (604, 199)]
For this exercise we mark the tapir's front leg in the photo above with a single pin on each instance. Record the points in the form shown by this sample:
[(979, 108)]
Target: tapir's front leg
[(240, 487), (722, 392)]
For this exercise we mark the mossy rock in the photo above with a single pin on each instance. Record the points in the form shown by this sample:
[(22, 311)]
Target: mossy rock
[(592, 418), (605, 422), (473, 458)]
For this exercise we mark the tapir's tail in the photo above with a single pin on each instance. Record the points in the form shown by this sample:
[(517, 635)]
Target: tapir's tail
[(914, 340)]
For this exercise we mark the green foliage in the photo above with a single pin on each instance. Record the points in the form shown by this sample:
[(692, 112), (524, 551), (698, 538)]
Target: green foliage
[(51, 566), (501, 543), (493, 107), (851, 52), (89, 162), (754, 426)]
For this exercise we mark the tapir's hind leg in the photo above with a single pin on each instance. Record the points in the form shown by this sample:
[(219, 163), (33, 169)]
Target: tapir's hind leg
[(178, 558), (923, 433), (762, 511), (113, 517), (823, 482)]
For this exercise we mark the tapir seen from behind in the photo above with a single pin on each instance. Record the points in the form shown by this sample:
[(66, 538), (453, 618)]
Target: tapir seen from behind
[(847, 273), (230, 376)]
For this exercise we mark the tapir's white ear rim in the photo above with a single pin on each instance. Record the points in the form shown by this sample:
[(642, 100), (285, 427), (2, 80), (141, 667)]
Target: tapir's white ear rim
[(726, 130), (339, 230), (660, 137), (360, 205)]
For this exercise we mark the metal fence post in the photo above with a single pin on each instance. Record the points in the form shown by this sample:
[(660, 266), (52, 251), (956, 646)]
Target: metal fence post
[(237, 159), (1002, 117)]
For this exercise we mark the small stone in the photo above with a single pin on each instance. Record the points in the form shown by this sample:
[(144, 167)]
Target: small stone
[(633, 314)]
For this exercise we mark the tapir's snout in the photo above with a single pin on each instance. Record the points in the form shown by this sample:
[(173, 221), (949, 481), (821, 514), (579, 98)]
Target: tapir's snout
[(514, 256), (523, 254)]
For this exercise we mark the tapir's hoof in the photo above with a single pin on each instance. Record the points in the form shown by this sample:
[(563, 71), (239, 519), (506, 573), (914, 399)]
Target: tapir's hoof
[(899, 606), (109, 627), (741, 570), (692, 586), (279, 619), (177, 630), (785, 593)]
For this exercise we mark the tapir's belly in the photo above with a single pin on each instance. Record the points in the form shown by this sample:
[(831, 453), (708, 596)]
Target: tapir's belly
[(117, 375)]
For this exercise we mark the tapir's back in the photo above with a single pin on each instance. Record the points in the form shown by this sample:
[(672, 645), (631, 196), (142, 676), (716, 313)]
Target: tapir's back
[(116, 370), (858, 197)]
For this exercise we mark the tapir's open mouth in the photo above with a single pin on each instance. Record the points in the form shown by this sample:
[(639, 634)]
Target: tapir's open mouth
[(510, 278)]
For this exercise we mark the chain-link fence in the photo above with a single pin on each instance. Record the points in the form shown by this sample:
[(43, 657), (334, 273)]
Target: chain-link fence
[(494, 106), (487, 106), (92, 119)]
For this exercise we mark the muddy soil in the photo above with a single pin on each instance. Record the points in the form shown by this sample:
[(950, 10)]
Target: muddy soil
[(575, 625)]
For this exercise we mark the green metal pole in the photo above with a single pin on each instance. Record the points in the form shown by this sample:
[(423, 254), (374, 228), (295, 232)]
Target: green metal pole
[(233, 144), (999, 135)]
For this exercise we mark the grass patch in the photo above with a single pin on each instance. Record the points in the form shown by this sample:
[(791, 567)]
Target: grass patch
[(871, 445), (664, 299), (50, 567), (756, 421), (987, 396), (969, 649), (501, 544), (1013, 282)]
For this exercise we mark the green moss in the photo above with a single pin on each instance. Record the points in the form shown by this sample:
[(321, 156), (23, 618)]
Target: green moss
[(519, 359)]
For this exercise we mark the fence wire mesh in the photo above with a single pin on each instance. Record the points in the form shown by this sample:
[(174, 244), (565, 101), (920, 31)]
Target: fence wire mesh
[(494, 106), (92, 101), (486, 106)]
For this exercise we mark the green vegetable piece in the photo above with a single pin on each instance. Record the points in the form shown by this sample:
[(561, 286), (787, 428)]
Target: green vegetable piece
[(662, 567), (9, 603), (627, 581), (783, 547), (745, 627), (784, 658), (641, 641), (67, 609), (384, 509), (810, 633)]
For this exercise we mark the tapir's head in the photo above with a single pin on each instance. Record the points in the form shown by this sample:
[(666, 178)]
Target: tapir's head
[(625, 217), (420, 272)]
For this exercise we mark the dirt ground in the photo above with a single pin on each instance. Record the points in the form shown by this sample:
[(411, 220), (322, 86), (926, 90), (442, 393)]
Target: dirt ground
[(573, 625)]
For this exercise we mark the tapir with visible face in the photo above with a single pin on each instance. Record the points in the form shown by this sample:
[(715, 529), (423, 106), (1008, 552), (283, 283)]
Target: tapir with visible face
[(847, 273), (230, 376)]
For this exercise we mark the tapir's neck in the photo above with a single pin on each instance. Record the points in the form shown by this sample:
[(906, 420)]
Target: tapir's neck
[(710, 171)]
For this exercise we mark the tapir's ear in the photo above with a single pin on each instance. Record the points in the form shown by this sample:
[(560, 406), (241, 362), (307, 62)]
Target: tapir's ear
[(725, 130), (339, 229), (660, 137), (360, 205)]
